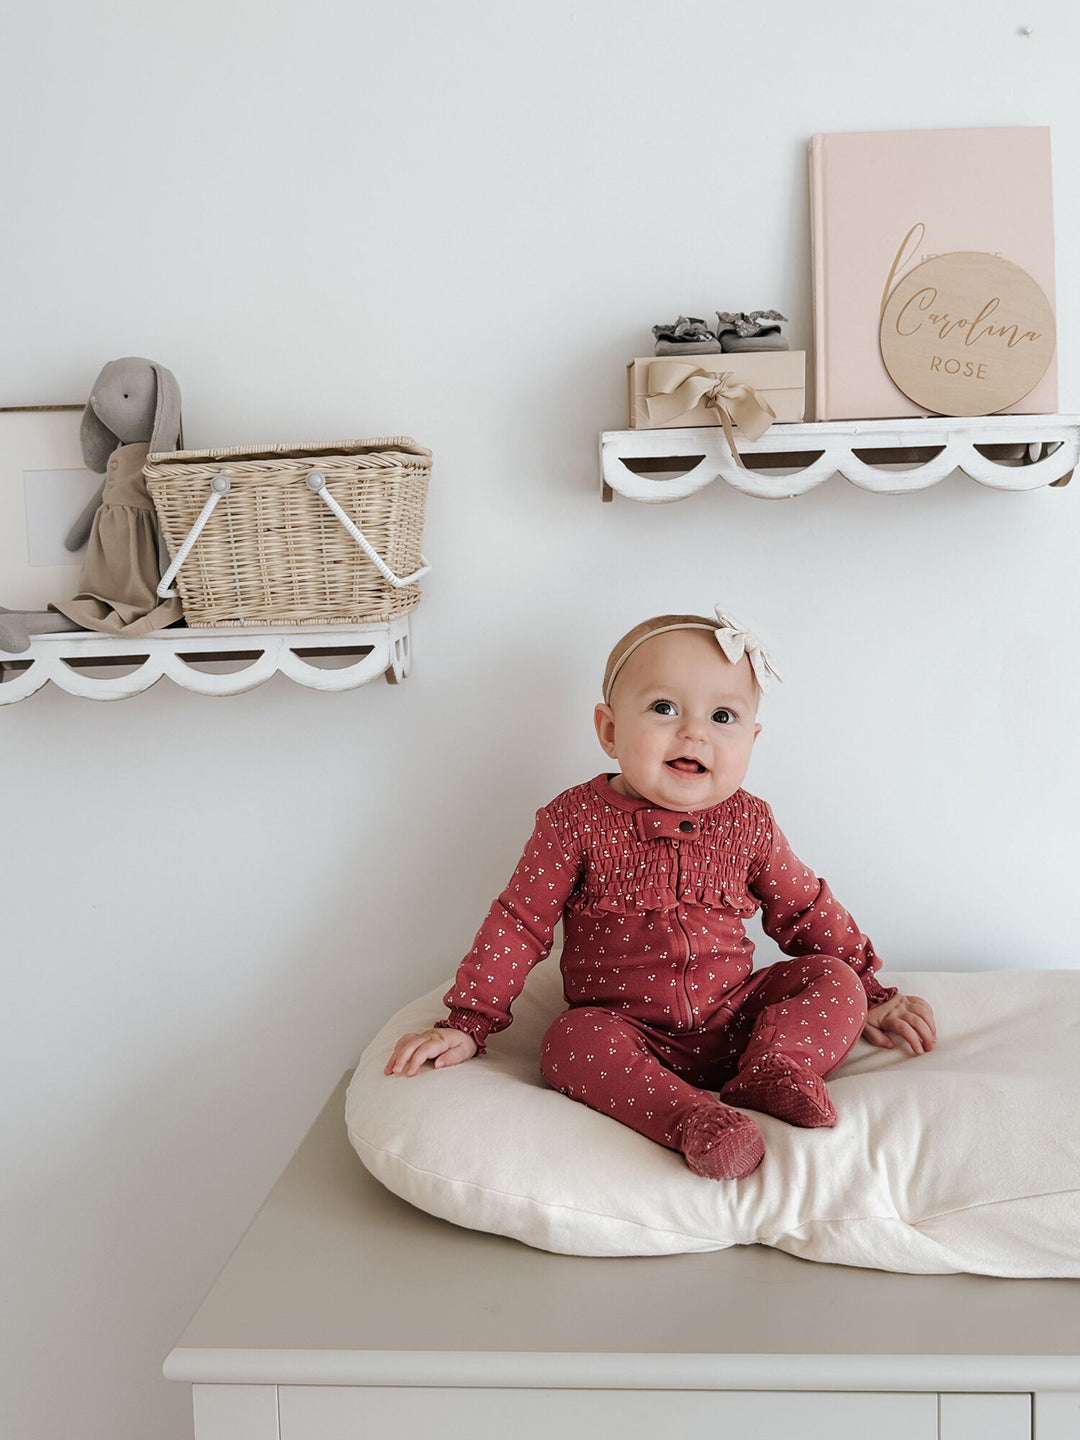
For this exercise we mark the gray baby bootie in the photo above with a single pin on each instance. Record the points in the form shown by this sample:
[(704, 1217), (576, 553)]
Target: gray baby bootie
[(760, 330), (687, 336)]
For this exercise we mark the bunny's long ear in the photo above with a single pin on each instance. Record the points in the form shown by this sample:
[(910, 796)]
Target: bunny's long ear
[(167, 411), (98, 441)]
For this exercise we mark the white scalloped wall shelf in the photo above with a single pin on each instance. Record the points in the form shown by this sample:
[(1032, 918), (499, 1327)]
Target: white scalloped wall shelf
[(208, 661), (889, 457)]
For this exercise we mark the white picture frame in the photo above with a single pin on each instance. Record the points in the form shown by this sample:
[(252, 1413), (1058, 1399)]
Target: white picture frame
[(44, 488)]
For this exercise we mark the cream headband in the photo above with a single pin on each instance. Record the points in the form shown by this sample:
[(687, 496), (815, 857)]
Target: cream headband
[(732, 637)]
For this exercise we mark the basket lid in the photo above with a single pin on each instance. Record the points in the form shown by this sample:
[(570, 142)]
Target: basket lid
[(387, 443)]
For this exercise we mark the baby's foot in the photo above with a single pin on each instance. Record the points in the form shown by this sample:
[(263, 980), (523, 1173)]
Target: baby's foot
[(720, 1143), (784, 1088)]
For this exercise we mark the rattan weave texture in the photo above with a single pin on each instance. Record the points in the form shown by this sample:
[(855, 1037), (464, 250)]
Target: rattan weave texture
[(272, 553)]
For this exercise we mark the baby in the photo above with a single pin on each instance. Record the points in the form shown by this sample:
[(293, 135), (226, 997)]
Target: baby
[(653, 871)]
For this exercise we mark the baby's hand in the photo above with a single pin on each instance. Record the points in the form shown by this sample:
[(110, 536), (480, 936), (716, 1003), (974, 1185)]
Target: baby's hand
[(908, 1016), (444, 1047)]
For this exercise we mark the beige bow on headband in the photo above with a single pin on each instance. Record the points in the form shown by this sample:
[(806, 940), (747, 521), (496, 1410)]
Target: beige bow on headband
[(736, 641), (676, 387)]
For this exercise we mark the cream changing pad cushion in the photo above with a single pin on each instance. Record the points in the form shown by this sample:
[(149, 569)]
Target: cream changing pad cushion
[(966, 1159)]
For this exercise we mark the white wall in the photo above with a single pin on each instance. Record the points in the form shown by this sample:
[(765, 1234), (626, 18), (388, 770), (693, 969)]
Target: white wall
[(459, 221)]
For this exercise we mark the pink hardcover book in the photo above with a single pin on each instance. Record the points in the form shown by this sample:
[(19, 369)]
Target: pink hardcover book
[(882, 203)]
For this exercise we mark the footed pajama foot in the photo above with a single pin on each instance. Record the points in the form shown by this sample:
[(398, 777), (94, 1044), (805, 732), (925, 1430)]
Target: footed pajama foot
[(720, 1143), (784, 1088)]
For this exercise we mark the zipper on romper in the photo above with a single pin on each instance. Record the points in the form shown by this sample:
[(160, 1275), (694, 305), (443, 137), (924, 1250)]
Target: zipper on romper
[(686, 941)]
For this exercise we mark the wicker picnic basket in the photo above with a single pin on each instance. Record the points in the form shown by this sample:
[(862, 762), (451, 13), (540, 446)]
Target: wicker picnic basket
[(293, 534)]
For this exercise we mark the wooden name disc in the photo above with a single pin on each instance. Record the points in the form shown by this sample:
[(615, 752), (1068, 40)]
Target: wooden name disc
[(967, 334)]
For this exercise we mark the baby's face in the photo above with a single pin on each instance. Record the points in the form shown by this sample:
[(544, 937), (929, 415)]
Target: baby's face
[(682, 722)]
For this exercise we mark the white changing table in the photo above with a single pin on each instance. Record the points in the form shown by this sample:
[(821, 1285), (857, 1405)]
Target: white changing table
[(345, 1314)]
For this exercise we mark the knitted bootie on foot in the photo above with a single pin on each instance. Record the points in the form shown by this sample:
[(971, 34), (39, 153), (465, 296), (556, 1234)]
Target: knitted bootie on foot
[(720, 1143), (785, 1088)]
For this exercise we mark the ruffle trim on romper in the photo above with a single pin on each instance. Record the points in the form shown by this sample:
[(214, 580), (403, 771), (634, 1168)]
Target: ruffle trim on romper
[(663, 897), (470, 1022)]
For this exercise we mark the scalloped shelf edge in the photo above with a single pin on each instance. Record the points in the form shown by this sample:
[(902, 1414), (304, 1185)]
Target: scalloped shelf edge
[(73, 661), (1050, 446)]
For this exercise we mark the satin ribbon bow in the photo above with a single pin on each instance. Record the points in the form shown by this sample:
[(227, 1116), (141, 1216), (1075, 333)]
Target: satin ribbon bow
[(736, 641), (675, 386)]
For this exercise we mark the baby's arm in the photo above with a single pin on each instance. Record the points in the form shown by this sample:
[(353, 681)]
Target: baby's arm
[(804, 917), (515, 936), (442, 1046)]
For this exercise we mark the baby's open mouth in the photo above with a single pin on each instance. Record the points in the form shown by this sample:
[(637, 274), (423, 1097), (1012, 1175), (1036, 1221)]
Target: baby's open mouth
[(686, 766)]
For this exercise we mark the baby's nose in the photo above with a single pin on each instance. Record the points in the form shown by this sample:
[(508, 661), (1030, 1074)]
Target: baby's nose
[(693, 727)]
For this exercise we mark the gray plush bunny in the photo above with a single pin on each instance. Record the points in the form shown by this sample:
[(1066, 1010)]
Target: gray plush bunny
[(134, 409)]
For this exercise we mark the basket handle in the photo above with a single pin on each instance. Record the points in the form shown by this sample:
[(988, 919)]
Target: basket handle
[(219, 486), (316, 482)]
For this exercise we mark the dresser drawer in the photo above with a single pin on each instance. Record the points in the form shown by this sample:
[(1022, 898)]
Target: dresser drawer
[(377, 1412)]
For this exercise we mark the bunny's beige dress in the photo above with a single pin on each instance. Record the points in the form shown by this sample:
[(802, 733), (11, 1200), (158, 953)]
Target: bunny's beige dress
[(118, 591)]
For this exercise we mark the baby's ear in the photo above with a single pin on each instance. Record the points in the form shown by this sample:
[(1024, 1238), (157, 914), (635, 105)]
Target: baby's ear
[(604, 720)]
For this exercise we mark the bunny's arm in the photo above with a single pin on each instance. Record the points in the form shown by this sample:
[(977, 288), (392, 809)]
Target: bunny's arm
[(79, 533)]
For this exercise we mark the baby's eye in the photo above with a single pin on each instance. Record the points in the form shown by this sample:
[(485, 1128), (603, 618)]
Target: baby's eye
[(663, 707), (724, 716)]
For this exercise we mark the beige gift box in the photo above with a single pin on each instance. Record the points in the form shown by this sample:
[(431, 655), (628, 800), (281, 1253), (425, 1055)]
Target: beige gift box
[(778, 377)]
